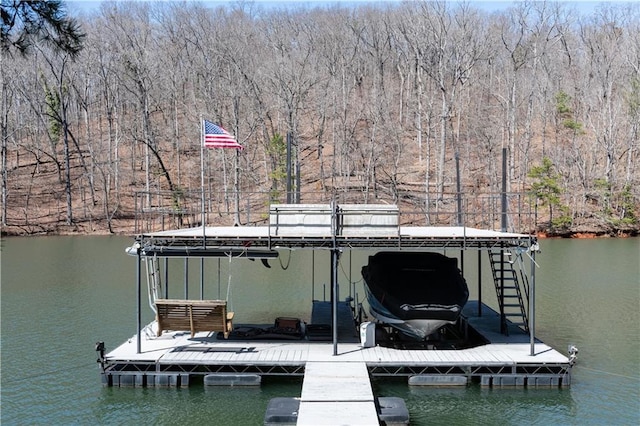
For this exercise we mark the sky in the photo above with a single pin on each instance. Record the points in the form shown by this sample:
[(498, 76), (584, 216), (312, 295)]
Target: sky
[(584, 6)]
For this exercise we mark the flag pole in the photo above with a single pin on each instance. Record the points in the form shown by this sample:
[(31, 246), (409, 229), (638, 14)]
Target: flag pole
[(202, 200), (204, 222)]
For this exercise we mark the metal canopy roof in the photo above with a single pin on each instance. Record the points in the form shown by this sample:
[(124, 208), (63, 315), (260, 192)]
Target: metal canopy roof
[(263, 237), (320, 226)]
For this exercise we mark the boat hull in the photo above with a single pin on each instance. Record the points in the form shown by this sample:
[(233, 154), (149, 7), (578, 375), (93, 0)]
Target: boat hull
[(415, 328), (416, 293)]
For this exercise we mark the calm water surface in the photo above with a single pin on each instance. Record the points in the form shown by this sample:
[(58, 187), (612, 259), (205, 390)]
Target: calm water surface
[(62, 294)]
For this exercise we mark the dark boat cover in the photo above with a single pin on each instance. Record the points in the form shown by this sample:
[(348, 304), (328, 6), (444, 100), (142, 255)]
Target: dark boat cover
[(417, 285)]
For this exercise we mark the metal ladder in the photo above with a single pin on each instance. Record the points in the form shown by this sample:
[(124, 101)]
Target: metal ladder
[(507, 279)]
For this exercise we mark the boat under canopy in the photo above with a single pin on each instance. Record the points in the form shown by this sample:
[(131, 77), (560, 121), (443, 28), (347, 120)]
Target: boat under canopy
[(414, 292)]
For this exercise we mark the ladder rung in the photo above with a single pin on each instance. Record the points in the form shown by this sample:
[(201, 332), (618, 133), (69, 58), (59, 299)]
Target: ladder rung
[(513, 315)]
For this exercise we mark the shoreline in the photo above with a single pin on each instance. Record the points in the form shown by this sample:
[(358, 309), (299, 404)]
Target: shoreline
[(125, 229)]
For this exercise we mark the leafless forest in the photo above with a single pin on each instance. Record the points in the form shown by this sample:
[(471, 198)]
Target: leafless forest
[(381, 103)]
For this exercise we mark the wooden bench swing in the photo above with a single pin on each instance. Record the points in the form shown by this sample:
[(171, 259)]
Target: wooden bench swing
[(193, 315)]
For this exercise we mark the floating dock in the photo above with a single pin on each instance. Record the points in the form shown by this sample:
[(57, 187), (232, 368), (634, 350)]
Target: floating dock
[(332, 353), (177, 359)]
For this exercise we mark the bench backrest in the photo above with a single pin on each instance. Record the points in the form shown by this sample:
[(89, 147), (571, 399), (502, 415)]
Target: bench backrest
[(193, 315)]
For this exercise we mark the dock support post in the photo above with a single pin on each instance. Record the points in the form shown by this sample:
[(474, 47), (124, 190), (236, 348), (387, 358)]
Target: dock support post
[(503, 209), (458, 192), (503, 318), (334, 276), (313, 275), (166, 277), (139, 302), (219, 279), (532, 304), (334, 299), (186, 277), (479, 283), (202, 278), (289, 189)]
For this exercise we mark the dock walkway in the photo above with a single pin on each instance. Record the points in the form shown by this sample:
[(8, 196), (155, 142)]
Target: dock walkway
[(337, 393)]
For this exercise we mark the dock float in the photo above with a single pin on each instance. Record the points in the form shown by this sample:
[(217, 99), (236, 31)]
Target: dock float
[(337, 393)]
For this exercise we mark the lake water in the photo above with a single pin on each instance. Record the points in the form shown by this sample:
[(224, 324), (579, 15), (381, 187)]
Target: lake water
[(60, 295)]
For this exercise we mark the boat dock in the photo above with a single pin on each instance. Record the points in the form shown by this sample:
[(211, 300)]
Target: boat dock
[(177, 359), (334, 355), (336, 389)]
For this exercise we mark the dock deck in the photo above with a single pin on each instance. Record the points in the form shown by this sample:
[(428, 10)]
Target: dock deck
[(176, 358)]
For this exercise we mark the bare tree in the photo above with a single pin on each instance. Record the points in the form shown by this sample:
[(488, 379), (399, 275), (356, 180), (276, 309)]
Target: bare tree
[(602, 37), (377, 99), (134, 42)]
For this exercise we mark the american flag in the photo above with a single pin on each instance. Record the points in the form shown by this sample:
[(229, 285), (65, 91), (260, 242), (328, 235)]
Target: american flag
[(217, 137)]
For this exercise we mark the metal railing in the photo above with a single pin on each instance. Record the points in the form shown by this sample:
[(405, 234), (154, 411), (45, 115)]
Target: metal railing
[(164, 210)]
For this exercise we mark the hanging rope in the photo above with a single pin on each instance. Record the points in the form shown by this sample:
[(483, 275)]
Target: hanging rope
[(288, 261), (229, 302), (153, 285), (157, 280)]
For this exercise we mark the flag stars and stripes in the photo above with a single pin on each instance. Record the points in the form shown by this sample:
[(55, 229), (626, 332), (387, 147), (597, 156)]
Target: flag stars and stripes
[(217, 137)]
